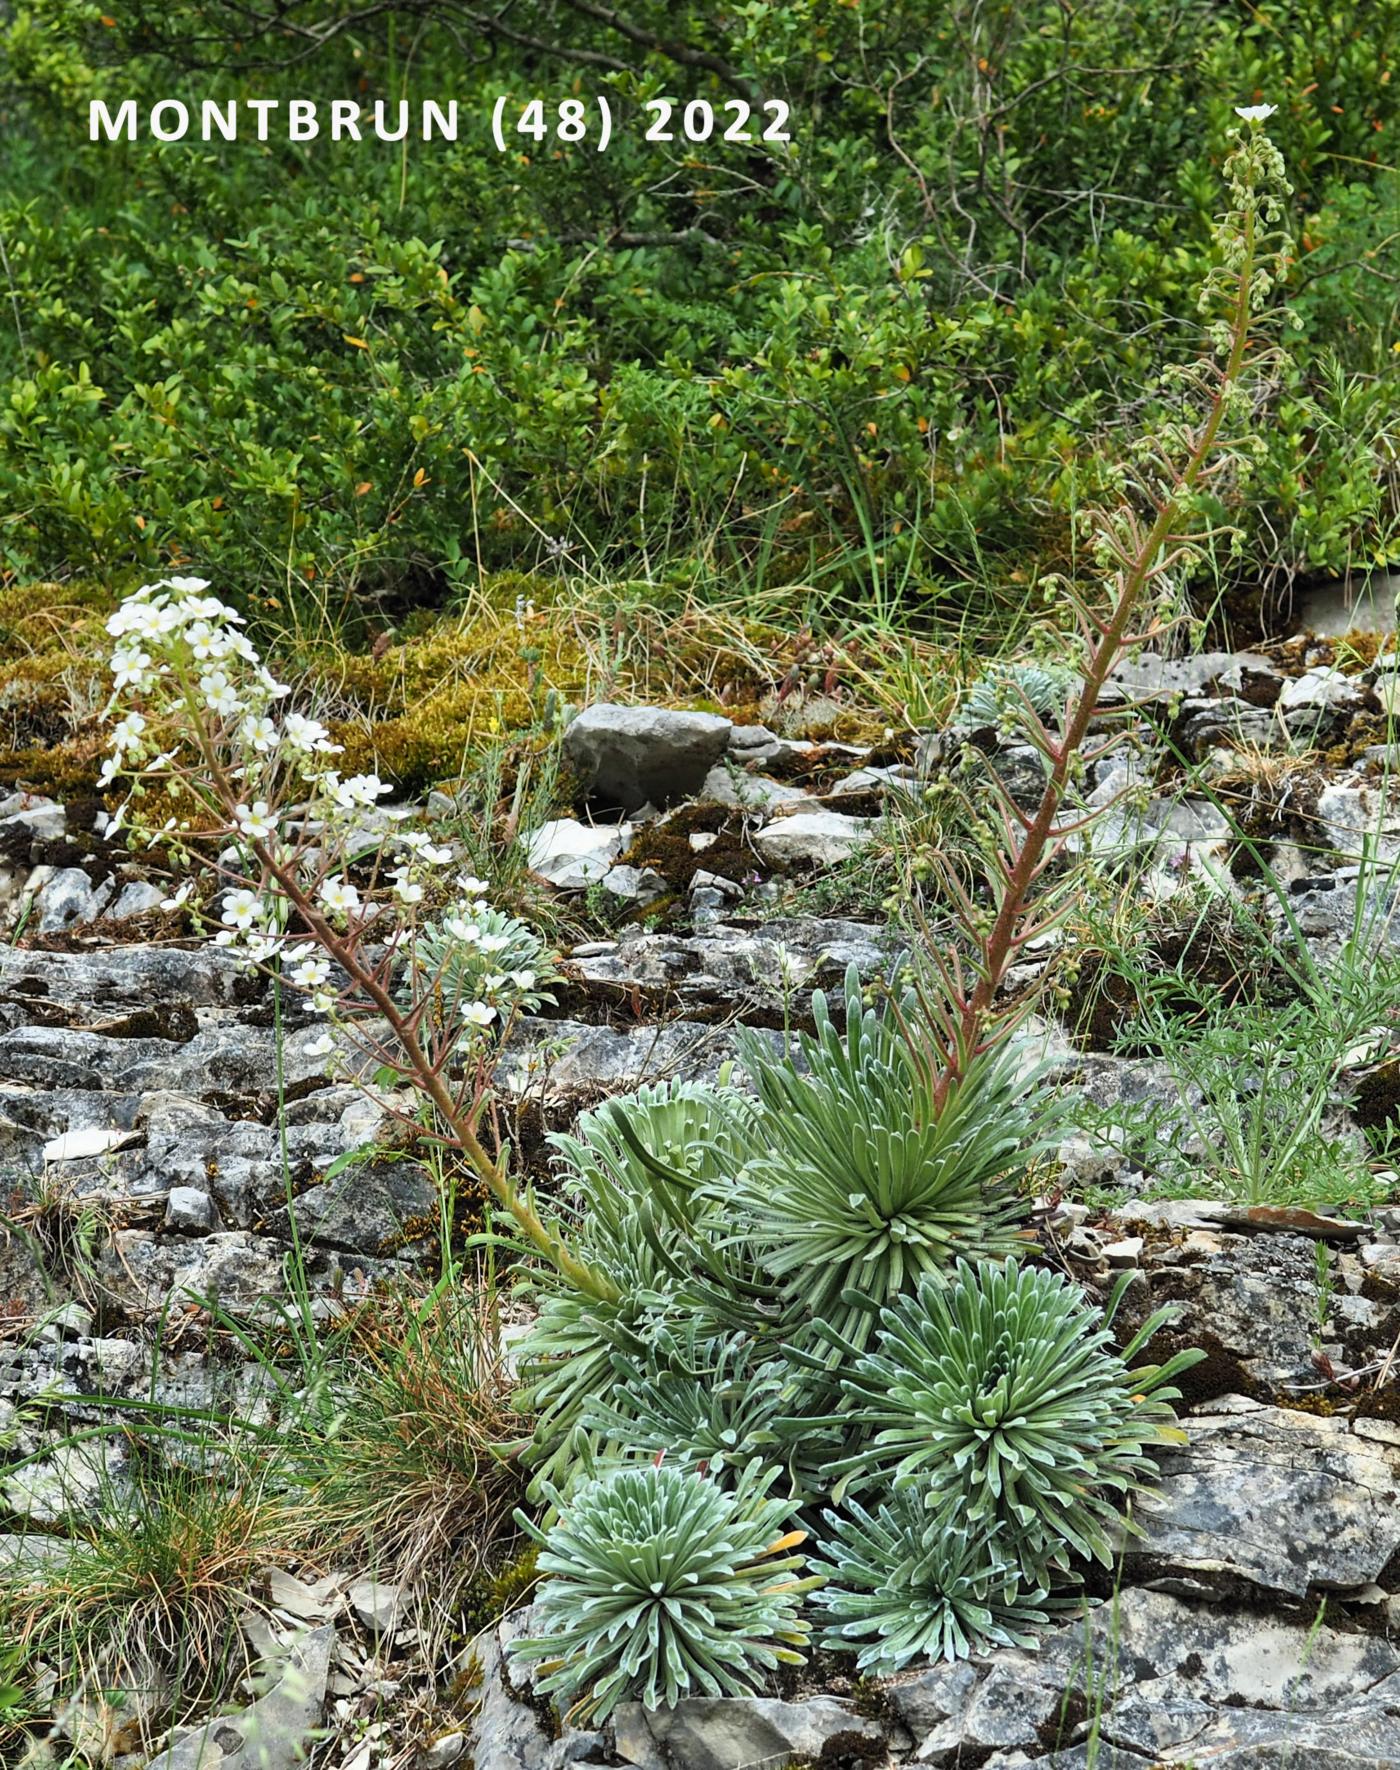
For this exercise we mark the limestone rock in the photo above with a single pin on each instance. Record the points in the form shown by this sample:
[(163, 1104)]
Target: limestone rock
[(273, 1732), (1266, 1499), (735, 1733), (741, 791), (1171, 1683), (811, 838), (731, 967), (627, 756), (1322, 689), (69, 896), (190, 1211), (1354, 818), (1150, 677), (572, 855)]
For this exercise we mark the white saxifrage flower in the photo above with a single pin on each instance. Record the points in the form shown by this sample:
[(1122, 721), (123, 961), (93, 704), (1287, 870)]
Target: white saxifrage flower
[(256, 821), (310, 973), (360, 790), (259, 731), (1255, 113), (339, 896), (243, 909), (478, 1013)]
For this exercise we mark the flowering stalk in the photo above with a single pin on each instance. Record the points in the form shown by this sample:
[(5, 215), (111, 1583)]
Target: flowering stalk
[(967, 1017), (308, 889)]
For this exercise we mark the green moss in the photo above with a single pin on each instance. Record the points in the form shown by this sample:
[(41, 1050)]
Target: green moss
[(496, 1591)]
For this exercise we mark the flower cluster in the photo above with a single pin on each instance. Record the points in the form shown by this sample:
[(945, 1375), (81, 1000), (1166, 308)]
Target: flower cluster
[(309, 863)]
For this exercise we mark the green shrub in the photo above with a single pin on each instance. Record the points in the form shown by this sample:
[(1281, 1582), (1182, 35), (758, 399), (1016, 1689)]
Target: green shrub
[(337, 372), (663, 1585)]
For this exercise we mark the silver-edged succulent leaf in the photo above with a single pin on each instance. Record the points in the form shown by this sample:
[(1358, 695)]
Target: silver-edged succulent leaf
[(1002, 695), (634, 1208), (721, 1405), (662, 1584), (1003, 1397), (900, 1589), (671, 1134), (867, 1186)]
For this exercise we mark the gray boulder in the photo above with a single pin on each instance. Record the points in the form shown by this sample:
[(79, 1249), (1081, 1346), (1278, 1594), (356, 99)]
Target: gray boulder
[(628, 756)]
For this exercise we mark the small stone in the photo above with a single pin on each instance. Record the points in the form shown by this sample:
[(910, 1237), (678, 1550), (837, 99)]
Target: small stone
[(442, 1752), (69, 897), (190, 1211), (701, 881), (271, 1733), (376, 1605), (1320, 689), (1124, 1253), (572, 855), (136, 899), (72, 1321), (811, 838), (739, 1733), (700, 840), (634, 884), (755, 743), (900, 776)]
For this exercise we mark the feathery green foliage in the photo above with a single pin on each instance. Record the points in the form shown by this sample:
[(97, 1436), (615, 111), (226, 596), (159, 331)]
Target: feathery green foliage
[(662, 1585)]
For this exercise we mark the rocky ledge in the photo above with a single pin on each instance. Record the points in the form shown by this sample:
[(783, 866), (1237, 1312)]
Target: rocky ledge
[(149, 1177)]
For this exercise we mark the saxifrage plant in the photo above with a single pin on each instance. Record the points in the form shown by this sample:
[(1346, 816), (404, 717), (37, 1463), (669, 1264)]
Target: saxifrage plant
[(663, 1584), (870, 1183), (1003, 1397), (902, 1586)]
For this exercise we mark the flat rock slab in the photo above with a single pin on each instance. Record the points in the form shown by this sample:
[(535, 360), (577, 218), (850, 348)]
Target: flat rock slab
[(204, 976), (1165, 1681), (736, 966), (1285, 1503), (575, 1064), (737, 1733), (811, 838)]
